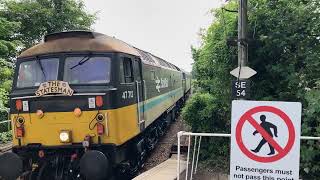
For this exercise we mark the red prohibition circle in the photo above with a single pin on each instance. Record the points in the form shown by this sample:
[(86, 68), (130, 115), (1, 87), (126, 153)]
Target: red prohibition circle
[(284, 151)]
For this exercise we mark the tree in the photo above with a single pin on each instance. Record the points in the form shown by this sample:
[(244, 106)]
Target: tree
[(8, 46), (41, 17), (284, 49)]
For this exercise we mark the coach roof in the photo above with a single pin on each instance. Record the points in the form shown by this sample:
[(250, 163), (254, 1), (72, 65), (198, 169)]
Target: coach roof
[(79, 41)]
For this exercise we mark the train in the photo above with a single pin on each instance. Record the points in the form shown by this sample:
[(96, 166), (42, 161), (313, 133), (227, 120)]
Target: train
[(85, 105)]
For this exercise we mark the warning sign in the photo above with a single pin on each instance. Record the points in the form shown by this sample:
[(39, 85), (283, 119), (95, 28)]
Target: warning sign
[(265, 140)]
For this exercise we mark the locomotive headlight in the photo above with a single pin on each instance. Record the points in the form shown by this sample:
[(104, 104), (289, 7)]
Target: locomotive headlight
[(65, 136), (100, 117)]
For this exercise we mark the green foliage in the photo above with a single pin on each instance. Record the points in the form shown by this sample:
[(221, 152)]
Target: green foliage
[(24, 22), (5, 137), (204, 110), (8, 46), (284, 49), (200, 113), (40, 17)]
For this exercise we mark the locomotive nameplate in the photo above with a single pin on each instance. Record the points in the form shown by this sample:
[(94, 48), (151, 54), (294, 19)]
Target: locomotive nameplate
[(54, 87)]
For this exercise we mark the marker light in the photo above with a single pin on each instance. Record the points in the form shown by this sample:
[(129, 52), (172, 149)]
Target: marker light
[(65, 136), (100, 129), (99, 101), (40, 113), (41, 154), (77, 112), (19, 105), (20, 132)]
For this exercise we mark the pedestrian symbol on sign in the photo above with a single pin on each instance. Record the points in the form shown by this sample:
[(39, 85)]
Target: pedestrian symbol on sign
[(265, 140), (267, 126), (265, 130)]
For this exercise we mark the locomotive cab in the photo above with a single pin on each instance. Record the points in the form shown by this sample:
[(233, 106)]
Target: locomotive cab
[(55, 94)]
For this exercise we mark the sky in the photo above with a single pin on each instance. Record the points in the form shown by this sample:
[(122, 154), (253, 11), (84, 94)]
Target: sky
[(165, 28)]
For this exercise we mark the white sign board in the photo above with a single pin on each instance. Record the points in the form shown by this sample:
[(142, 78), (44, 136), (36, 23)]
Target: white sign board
[(265, 140), (245, 72)]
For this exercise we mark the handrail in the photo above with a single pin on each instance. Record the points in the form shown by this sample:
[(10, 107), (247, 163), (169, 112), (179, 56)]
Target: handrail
[(2, 122), (183, 133)]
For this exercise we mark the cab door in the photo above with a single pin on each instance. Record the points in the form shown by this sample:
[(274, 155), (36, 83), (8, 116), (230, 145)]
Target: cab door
[(140, 92)]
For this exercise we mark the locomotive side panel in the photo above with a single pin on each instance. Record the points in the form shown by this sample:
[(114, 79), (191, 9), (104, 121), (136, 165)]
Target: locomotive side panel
[(188, 82), (163, 90)]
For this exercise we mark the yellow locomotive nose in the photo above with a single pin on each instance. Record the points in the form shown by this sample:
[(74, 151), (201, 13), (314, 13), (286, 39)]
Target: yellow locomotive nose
[(59, 128)]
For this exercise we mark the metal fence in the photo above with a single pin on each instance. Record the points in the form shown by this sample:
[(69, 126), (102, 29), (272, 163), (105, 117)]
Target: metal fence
[(196, 150)]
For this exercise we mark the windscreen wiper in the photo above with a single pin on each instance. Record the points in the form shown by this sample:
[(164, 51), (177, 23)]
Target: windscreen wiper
[(41, 67), (82, 61)]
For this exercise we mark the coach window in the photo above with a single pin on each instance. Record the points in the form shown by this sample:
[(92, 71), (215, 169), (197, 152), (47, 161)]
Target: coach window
[(153, 75), (183, 76), (126, 75)]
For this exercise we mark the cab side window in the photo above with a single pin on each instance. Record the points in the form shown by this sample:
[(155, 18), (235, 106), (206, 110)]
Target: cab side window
[(126, 75), (183, 76)]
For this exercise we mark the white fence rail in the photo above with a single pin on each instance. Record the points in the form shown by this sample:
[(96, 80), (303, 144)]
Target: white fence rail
[(197, 144)]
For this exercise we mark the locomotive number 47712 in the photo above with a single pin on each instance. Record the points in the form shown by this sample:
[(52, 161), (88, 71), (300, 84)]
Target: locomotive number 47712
[(127, 94)]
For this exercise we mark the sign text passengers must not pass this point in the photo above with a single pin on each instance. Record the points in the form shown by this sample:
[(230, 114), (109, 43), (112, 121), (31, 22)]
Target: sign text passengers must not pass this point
[(265, 140)]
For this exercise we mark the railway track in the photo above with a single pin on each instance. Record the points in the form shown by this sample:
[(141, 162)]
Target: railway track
[(166, 146)]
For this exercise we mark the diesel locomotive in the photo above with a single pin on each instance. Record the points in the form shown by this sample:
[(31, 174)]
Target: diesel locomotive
[(85, 105)]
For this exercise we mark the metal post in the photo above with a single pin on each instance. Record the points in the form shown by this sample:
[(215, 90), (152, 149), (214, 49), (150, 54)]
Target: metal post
[(193, 156), (198, 155), (242, 34), (178, 167), (189, 143)]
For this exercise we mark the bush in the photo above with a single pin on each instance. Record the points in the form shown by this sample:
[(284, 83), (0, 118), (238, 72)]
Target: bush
[(5, 137), (202, 113), (310, 150), (3, 117)]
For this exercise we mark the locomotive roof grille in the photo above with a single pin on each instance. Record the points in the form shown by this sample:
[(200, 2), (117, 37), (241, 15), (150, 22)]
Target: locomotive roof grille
[(145, 56), (70, 34)]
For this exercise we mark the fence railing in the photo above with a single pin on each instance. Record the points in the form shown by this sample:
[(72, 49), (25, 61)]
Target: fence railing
[(197, 146)]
